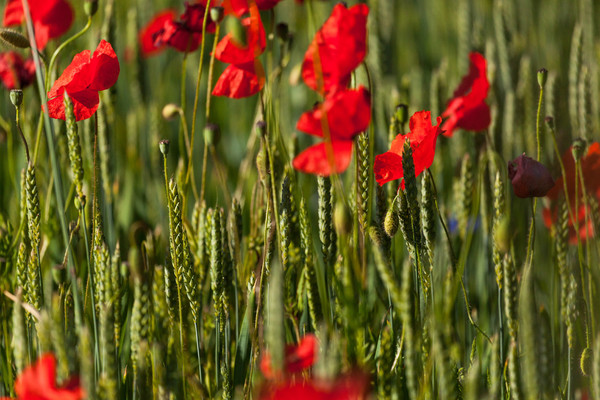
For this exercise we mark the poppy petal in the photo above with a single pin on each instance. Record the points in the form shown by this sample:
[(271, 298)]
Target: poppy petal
[(229, 51), (85, 104), (148, 32), (337, 49), (76, 75), (387, 167), (314, 160), (239, 81), (348, 113), (13, 13), (104, 67)]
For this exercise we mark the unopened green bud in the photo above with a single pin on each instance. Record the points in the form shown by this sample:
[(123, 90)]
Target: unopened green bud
[(342, 219), (282, 31), (542, 77), (401, 113), (170, 111), (261, 126), (212, 134), (14, 38), (391, 221), (16, 97), (237, 31), (163, 145), (90, 7), (217, 14), (549, 122), (578, 149)]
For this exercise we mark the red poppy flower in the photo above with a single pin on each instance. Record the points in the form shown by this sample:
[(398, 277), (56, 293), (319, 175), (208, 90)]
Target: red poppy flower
[(297, 357), (337, 49), (183, 34), (153, 28), (245, 76), (353, 386), (423, 137), (14, 72), (590, 166), (82, 80), (238, 81), (51, 18), (241, 7), (38, 382), (348, 113), (467, 109), (529, 178)]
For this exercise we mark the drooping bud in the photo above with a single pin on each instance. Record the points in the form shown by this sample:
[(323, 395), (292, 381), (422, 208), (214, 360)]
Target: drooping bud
[(549, 122), (261, 126), (578, 149), (529, 177), (282, 31), (90, 7), (212, 134), (217, 14), (402, 113), (170, 111), (13, 38)]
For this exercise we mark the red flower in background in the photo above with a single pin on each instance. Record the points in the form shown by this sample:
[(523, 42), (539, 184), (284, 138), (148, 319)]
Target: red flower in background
[(529, 178), (82, 80), (14, 72), (467, 109), (38, 382), (297, 357), (241, 7), (345, 113), (245, 76), (353, 386), (590, 166), (423, 137), (183, 34), (337, 49), (51, 18)]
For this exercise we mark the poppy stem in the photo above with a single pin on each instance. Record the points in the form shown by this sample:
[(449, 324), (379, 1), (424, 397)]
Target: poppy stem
[(537, 123), (21, 133)]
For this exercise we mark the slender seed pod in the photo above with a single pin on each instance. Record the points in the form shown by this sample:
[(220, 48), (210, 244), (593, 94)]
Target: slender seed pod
[(21, 265), (510, 296), (34, 289), (176, 234), (73, 145), (140, 316), (363, 182), (171, 295), (216, 262), (561, 234), (326, 232), (19, 337), (102, 279), (428, 220), (496, 224), (465, 194), (190, 281), (574, 68), (58, 336), (514, 374), (33, 286), (571, 311), (412, 193)]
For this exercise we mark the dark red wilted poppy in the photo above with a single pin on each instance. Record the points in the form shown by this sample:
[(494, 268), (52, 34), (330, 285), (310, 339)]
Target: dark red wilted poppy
[(297, 357), (51, 18), (337, 49), (245, 76), (14, 72), (38, 382), (82, 80), (183, 34), (352, 386), (529, 178), (590, 166), (423, 138), (467, 109)]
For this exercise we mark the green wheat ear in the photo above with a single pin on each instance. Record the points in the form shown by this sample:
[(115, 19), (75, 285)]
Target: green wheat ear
[(363, 182), (496, 226), (510, 296), (19, 338), (74, 146), (326, 232)]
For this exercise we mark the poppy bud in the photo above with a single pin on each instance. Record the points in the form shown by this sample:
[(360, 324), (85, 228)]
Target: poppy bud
[(282, 31), (342, 219), (217, 14), (402, 113), (391, 221), (542, 76), (237, 31), (163, 145), (212, 134), (578, 149), (529, 177), (170, 111), (549, 122), (90, 7), (261, 126), (16, 97), (14, 38)]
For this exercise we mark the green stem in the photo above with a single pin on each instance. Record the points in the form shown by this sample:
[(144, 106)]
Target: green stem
[(91, 277), (198, 350), (537, 123), (54, 162)]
